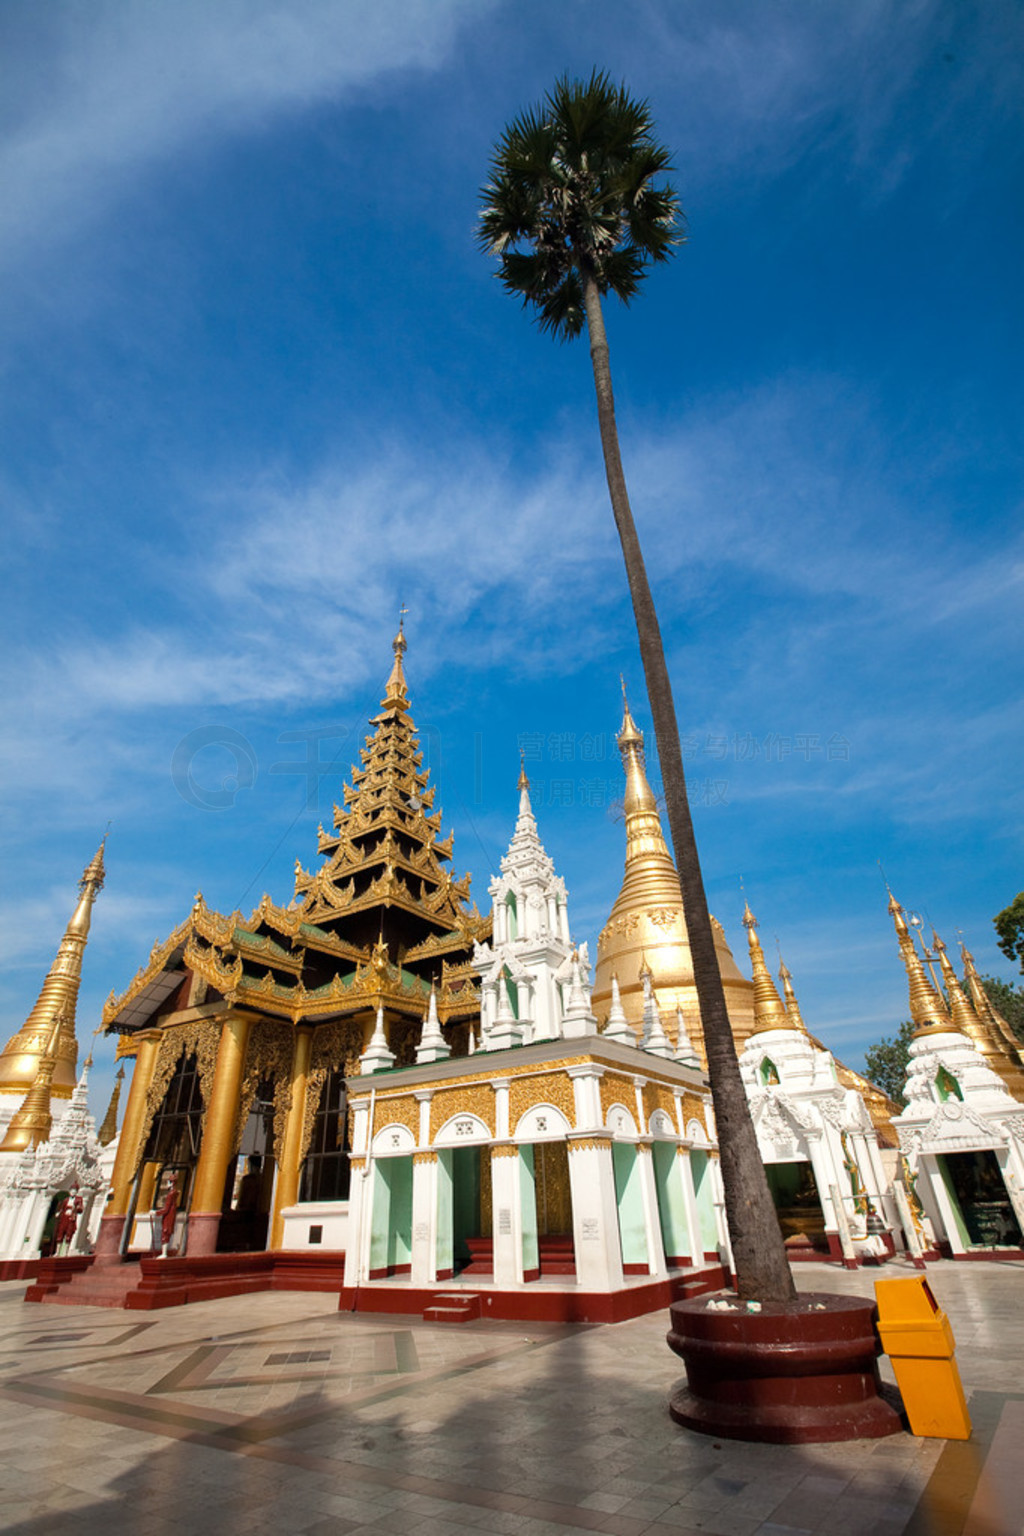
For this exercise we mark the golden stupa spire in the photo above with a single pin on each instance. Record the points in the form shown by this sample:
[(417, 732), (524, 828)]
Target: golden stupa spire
[(984, 1007), (108, 1130), (645, 840), (24, 1051), (396, 690), (792, 1006), (32, 1123), (981, 1031), (927, 1009), (769, 1012)]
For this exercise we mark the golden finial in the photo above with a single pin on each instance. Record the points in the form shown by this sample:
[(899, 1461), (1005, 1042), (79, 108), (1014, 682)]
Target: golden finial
[(792, 1006), (108, 1130), (644, 835), (524, 782), (769, 1012), (927, 1010), (629, 736), (395, 689), (979, 1027)]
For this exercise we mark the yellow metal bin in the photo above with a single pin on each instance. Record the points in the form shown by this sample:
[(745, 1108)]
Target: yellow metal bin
[(916, 1335)]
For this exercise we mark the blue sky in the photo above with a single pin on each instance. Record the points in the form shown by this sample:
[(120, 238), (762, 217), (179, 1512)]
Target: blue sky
[(258, 388)]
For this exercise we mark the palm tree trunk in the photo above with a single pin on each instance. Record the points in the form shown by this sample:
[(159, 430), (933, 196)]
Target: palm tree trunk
[(762, 1270)]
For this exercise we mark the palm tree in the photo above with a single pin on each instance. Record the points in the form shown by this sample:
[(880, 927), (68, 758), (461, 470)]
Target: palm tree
[(572, 211)]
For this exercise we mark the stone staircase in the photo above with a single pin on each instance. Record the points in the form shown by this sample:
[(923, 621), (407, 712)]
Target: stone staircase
[(454, 1308), (557, 1256)]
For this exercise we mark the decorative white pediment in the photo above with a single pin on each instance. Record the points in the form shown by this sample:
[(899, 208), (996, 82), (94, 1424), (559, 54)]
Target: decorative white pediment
[(954, 1127), (393, 1141), (542, 1122), (661, 1125), (462, 1131), (697, 1133), (620, 1121)]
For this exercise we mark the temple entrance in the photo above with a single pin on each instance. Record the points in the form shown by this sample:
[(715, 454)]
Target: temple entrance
[(391, 1227), (249, 1187), (798, 1205), (551, 1184), (975, 1184), (172, 1147), (472, 1241)]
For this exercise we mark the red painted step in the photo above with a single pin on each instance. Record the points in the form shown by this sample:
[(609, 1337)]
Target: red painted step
[(557, 1255), (452, 1308)]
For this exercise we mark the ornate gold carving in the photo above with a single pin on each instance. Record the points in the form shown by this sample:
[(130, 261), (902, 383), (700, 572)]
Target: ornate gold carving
[(462, 1099), (545, 1088), (424, 1157), (200, 1038), (336, 1047), (588, 1143), (268, 1058), (505, 1149), (401, 1110), (616, 1090)]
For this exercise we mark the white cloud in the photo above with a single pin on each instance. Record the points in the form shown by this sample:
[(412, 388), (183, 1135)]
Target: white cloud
[(96, 94)]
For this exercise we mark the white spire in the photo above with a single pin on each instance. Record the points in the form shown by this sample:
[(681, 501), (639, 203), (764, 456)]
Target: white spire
[(685, 1053), (654, 1038), (377, 1057), (578, 1018), (506, 1031), (433, 1046), (617, 1027)]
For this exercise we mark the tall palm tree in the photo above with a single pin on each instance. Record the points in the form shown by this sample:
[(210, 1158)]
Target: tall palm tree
[(573, 213)]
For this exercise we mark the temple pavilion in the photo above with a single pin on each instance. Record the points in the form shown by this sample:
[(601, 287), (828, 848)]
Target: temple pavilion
[(245, 1030)]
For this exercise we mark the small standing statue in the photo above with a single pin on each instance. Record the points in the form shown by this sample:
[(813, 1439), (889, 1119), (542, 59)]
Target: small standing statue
[(67, 1221), (167, 1215)]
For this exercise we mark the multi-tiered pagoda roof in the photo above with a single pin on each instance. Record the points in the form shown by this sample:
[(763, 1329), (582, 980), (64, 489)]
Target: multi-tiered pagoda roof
[(375, 925)]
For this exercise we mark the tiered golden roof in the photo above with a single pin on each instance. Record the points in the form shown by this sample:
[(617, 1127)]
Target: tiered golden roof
[(374, 926), (58, 997), (647, 923), (986, 1009)]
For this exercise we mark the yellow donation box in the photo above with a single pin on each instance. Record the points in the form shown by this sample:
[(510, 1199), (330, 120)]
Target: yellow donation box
[(916, 1335)]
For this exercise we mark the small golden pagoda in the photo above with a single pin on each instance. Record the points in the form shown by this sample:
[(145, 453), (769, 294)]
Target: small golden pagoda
[(647, 926), (276, 1009), (26, 1049)]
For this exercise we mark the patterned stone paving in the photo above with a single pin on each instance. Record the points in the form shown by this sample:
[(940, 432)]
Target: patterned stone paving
[(278, 1413)]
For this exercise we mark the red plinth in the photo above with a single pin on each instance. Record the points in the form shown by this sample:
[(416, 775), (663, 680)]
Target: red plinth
[(795, 1372), (203, 1227), (108, 1240)]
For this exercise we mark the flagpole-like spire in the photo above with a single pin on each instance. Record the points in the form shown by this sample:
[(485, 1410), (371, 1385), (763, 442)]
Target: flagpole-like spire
[(58, 997), (769, 1012), (927, 1009)]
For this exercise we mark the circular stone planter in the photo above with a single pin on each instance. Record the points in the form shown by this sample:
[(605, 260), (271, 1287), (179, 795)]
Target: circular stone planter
[(795, 1372)]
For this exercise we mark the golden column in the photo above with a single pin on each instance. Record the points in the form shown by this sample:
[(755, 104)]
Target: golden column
[(108, 1241), (218, 1137), (291, 1142)]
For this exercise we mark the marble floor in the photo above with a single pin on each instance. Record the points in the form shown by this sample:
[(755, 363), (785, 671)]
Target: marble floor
[(276, 1413)]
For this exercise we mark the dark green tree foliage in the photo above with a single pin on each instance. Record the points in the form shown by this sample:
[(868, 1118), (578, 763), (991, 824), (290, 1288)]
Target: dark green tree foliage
[(573, 211), (1009, 925), (885, 1062)]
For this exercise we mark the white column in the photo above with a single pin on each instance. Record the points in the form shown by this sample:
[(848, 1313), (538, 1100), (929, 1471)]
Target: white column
[(586, 1080), (424, 1214), (652, 1220), (423, 1097), (935, 1187), (506, 1215), (639, 1083), (595, 1222)]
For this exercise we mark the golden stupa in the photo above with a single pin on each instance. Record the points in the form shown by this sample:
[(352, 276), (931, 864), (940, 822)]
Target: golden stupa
[(26, 1049), (647, 924)]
